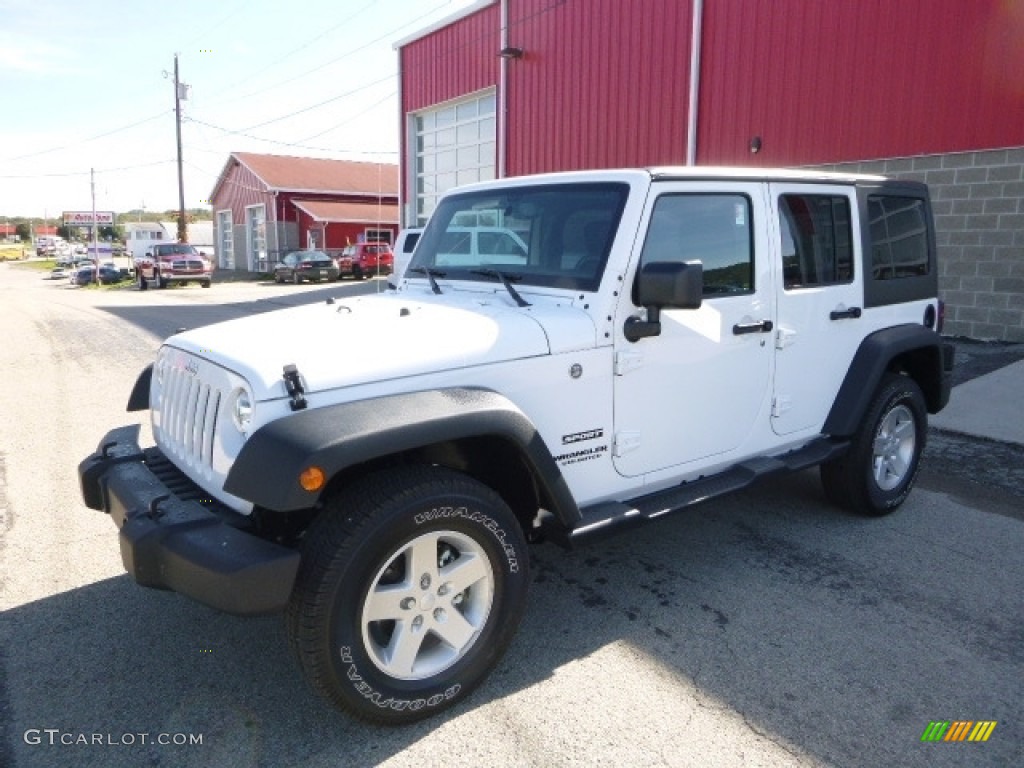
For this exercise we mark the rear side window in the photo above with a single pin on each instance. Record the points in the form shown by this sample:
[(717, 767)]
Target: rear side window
[(817, 244), (711, 228), (899, 237)]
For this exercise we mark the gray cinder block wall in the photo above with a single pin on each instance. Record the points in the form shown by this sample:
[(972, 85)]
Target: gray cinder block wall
[(978, 200)]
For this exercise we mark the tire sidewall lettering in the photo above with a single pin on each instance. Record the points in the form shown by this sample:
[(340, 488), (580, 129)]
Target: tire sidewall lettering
[(363, 687), (473, 516), (353, 665)]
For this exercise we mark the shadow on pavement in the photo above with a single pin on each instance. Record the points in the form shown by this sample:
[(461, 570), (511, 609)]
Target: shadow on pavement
[(838, 636)]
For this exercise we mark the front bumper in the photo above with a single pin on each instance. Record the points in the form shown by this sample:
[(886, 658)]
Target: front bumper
[(168, 542)]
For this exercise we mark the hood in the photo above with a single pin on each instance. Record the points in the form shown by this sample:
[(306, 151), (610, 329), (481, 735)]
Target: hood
[(376, 338)]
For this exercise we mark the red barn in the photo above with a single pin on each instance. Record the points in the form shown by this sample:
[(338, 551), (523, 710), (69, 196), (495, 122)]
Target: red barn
[(923, 89), (267, 205)]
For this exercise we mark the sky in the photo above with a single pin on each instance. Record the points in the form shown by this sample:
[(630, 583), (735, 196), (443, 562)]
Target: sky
[(89, 86)]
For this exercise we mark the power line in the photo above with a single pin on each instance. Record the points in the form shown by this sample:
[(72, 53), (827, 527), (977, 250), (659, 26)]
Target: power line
[(70, 174), (292, 52), (85, 141), (317, 68), (335, 150), (351, 117)]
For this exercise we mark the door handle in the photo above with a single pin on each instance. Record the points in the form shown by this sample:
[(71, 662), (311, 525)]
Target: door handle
[(765, 326), (852, 313)]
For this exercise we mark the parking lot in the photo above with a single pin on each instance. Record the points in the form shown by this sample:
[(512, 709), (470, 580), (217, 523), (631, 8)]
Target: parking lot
[(765, 629)]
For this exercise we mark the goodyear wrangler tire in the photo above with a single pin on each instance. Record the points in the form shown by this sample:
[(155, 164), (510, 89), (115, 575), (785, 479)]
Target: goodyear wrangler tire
[(878, 472), (411, 587)]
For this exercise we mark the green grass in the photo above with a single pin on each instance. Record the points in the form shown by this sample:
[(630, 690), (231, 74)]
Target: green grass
[(41, 265), (13, 251)]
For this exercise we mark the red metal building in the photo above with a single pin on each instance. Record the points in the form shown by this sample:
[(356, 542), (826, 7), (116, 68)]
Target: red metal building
[(267, 205), (907, 88)]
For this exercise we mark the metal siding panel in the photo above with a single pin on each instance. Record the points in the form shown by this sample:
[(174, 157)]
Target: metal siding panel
[(451, 62), (825, 82), (603, 83)]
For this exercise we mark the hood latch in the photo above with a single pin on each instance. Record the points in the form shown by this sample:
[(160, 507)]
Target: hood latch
[(293, 384)]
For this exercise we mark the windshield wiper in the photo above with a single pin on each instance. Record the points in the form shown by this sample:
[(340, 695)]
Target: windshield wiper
[(506, 280), (431, 274)]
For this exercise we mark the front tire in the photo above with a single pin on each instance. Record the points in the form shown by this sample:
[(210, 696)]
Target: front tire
[(878, 472), (143, 285), (411, 587)]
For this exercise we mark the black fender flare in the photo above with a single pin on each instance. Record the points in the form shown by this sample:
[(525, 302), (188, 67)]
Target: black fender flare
[(336, 437), (138, 400), (922, 352)]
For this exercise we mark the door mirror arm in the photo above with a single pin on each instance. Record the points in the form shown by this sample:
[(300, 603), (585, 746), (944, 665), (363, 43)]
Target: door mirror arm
[(636, 329)]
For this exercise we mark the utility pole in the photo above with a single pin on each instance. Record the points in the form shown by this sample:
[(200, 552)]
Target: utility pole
[(95, 227), (180, 93)]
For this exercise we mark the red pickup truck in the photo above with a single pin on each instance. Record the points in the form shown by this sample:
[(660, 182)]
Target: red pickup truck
[(168, 263)]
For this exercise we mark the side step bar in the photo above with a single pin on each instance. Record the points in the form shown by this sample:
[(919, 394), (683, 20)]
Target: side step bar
[(610, 517)]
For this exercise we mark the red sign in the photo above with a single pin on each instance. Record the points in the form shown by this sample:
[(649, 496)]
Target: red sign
[(85, 218)]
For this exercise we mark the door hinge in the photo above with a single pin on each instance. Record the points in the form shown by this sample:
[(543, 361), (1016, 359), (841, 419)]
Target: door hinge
[(627, 361), (626, 442), (784, 337), (781, 404)]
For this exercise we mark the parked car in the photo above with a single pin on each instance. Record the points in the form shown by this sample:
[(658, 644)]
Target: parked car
[(84, 275), (59, 273), (473, 245), (110, 273), (369, 259), (306, 265)]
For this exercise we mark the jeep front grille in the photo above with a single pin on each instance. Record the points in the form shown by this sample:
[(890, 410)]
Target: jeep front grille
[(189, 417)]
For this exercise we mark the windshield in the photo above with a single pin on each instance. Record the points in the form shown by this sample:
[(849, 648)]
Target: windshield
[(178, 250), (556, 235)]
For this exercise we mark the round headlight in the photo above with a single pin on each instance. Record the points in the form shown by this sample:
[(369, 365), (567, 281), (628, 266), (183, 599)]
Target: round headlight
[(241, 410)]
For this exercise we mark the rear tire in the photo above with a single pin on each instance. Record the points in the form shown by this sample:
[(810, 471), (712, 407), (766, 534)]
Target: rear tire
[(411, 586), (878, 472)]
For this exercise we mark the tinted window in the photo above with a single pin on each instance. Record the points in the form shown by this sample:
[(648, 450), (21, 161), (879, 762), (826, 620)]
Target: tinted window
[(899, 237), (816, 240), (713, 229)]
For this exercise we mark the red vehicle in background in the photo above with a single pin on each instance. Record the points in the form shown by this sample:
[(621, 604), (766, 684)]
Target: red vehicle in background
[(167, 263), (364, 260)]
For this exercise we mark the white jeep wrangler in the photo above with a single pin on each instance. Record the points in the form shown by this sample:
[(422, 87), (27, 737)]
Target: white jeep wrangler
[(661, 336)]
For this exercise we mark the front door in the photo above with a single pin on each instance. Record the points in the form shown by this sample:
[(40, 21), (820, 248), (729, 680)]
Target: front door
[(698, 389), (819, 301)]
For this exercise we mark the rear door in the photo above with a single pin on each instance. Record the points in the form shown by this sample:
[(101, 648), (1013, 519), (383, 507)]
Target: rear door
[(819, 302)]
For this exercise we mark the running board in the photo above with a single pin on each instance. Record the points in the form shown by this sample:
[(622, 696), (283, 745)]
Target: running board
[(613, 516)]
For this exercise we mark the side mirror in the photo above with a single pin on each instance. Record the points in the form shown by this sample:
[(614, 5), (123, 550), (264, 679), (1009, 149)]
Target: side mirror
[(660, 285)]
